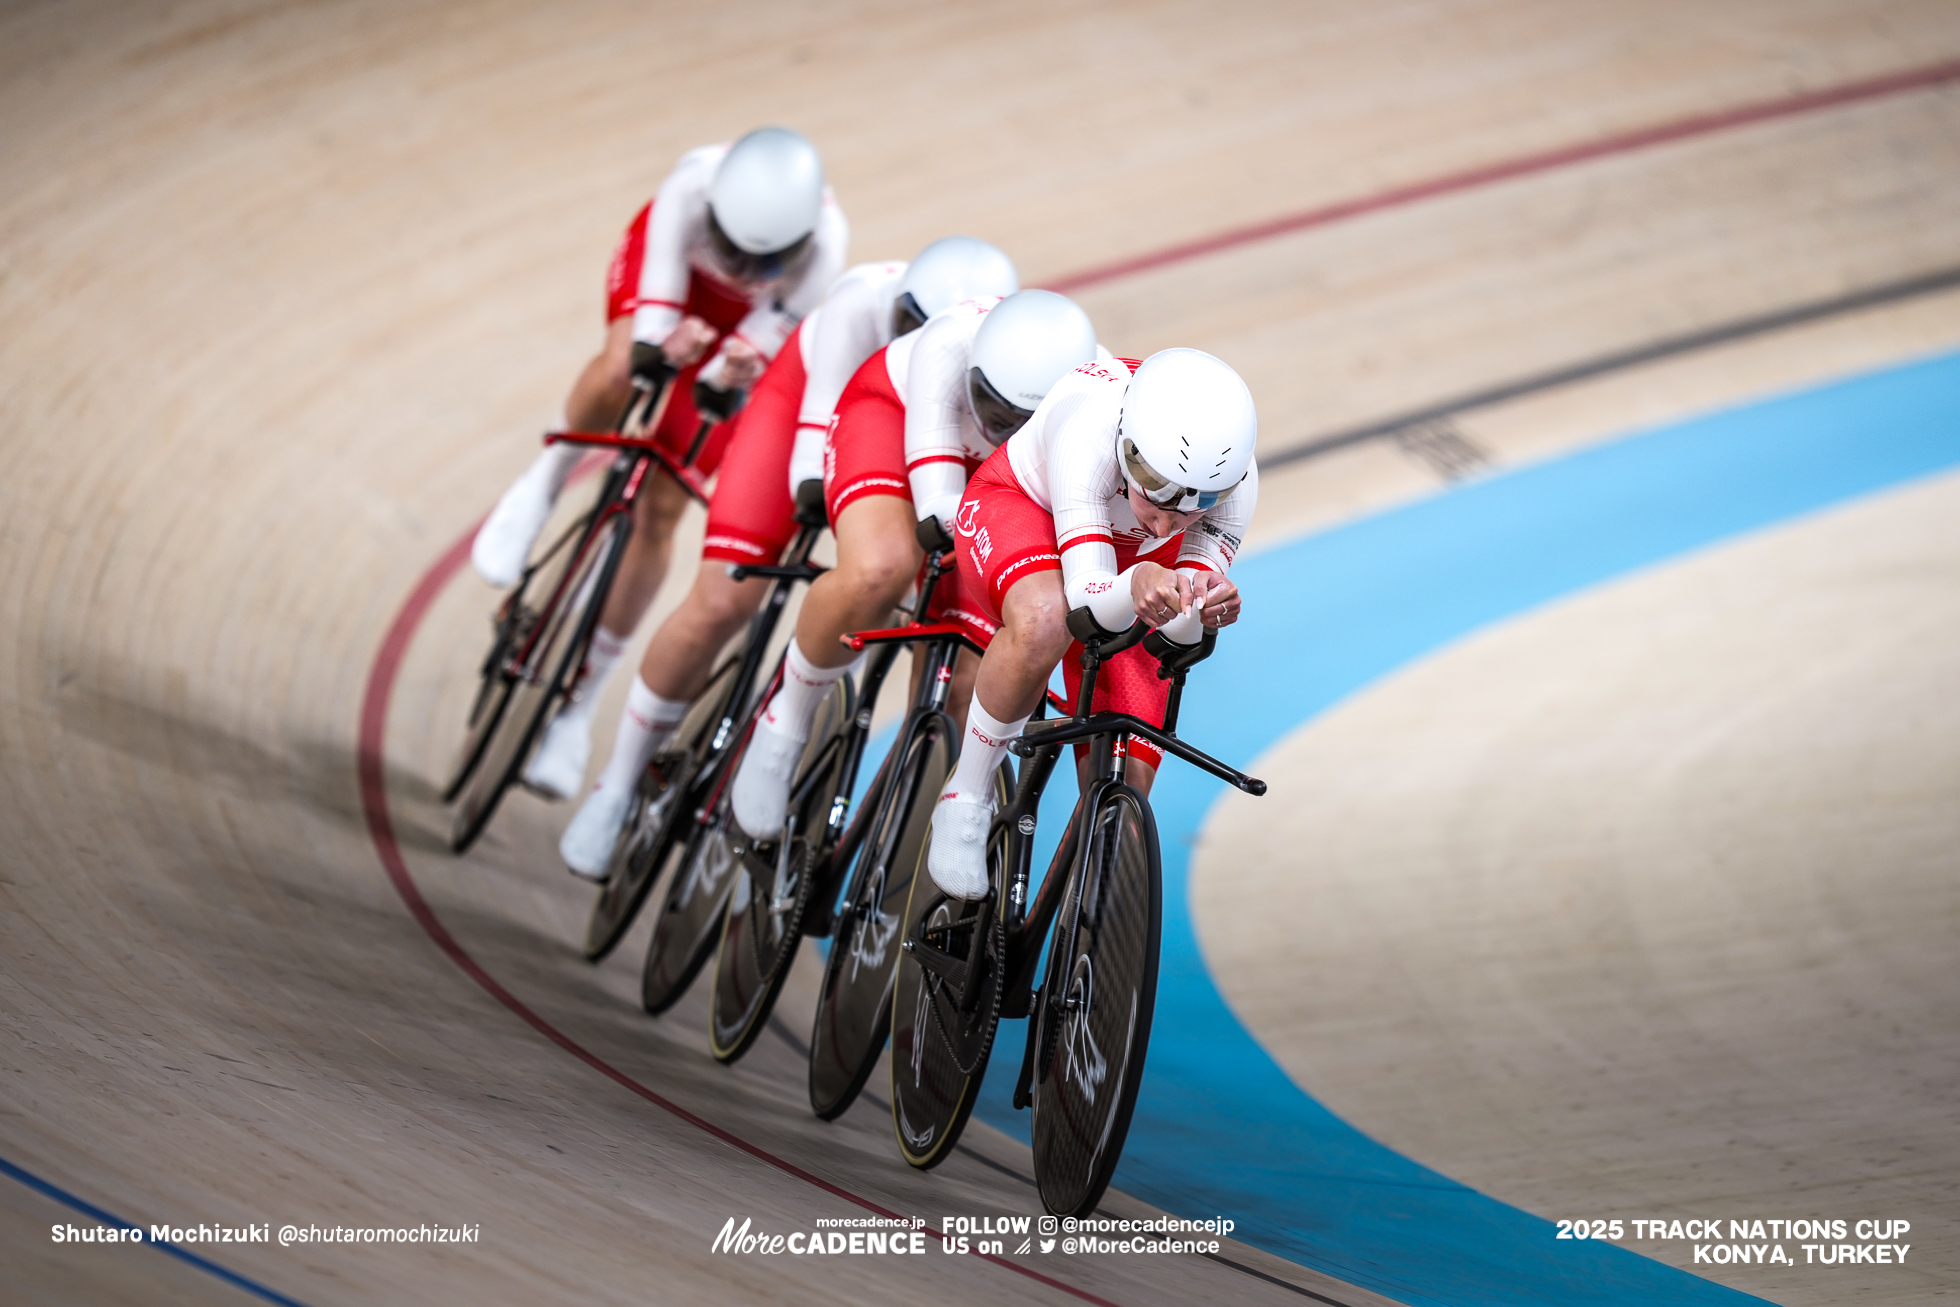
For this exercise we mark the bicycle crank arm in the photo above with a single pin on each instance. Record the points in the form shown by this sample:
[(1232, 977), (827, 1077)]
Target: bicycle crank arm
[(950, 970)]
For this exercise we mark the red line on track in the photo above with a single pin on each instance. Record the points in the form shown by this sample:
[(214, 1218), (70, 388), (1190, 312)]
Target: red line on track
[(381, 828), (1912, 79)]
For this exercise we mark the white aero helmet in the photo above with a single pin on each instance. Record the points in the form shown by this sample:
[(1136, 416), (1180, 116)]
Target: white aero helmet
[(1187, 430), (764, 201), (1026, 343), (949, 270)]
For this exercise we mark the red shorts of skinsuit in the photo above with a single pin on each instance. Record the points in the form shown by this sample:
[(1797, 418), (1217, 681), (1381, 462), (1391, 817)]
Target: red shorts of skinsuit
[(864, 456), (752, 517), (720, 306), (1004, 537)]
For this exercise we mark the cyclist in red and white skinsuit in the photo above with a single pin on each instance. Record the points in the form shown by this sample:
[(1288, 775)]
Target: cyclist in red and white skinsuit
[(775, 450), (711, 277), (914, 421), (1127, 493)]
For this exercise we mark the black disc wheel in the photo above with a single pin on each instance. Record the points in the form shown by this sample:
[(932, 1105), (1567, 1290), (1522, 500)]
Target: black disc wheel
[(661, 806), (684, 933), (942, 1033), (939, 1049), (854, 1009), (544, 664), (1095, 1006), (767, 908)]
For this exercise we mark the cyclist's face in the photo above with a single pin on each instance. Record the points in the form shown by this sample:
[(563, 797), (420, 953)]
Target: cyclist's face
[(1161, 523)]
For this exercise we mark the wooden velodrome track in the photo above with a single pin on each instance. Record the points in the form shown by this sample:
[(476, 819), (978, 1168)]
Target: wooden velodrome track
[(286, 291)]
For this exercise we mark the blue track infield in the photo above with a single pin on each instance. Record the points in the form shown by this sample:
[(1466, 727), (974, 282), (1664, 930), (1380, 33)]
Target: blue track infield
[(1219, 1128)]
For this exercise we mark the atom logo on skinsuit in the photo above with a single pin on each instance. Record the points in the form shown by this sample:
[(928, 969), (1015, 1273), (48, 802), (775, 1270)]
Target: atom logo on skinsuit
[(969, 517)]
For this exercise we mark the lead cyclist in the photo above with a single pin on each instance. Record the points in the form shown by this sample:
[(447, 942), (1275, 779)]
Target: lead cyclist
[(1127, 493)]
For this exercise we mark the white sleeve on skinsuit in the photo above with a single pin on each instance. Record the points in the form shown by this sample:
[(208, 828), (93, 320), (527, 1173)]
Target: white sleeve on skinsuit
[(939, 425), (854, 322), (680, 213)]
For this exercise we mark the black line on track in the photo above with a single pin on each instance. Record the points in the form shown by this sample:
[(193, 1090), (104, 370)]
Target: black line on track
[(802, 1050), (1668, 346)]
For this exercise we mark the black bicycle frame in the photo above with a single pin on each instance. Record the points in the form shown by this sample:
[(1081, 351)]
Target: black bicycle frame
[(943, 642), (1040, 745)]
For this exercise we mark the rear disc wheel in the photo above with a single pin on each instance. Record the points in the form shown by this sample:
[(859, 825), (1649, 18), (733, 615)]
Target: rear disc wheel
[(854, 1004), (763, 926), (661, 804)]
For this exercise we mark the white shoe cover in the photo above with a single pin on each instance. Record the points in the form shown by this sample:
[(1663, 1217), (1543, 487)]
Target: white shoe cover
[(760, 795), (957, 857), (557, 769), (587, 845), (503, 543)]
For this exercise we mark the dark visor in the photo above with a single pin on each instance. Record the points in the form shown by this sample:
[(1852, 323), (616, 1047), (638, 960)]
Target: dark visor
[(740, 265), (998, 419), (907, 315)]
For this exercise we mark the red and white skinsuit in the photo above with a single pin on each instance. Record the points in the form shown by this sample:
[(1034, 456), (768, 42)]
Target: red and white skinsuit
[(778, 439), (904, 428), (1053, 499), (665, 269)]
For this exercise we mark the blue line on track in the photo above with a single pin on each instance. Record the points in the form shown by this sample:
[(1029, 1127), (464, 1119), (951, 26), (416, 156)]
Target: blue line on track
[(1220, 1128), (181, 1253)]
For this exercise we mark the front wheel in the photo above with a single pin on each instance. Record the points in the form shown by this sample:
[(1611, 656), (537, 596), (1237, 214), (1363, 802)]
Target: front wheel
[(1095, 1005), (549, 658)]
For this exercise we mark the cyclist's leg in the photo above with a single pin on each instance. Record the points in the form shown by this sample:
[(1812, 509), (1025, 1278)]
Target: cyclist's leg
[(1011, 679), (877, 558), (1011, 578), (751, 520), (870, 508)]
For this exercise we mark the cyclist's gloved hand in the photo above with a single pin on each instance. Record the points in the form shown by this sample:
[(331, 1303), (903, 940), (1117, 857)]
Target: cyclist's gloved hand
[(715, 403), (650, 366)]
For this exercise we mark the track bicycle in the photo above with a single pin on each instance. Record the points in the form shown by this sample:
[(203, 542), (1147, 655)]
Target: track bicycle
[(965, 965), (676, 791), (543, 628), (786, 886), (853, 1016)]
